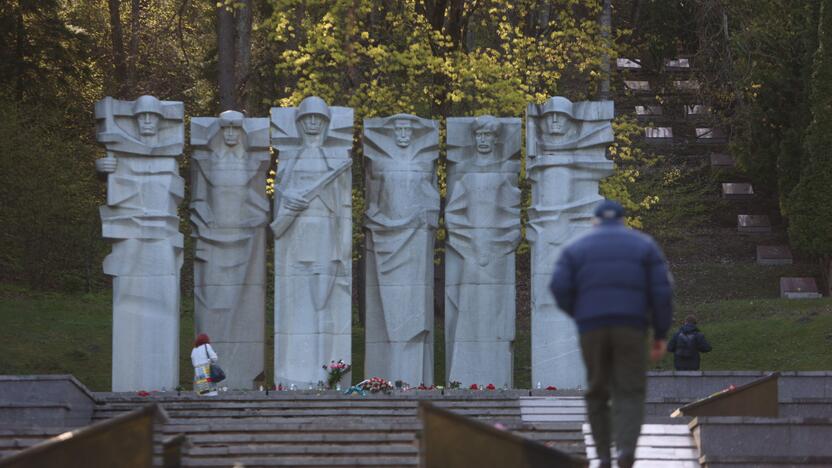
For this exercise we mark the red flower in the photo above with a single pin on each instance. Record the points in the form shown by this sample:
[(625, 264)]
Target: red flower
[(490, 386), (551, 387), (142, 393), (474, 387)]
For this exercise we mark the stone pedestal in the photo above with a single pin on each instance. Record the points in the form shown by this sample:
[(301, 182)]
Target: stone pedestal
[(400, 223), (483, 221), (312, 227), (566, 146), (143, 139), (229, 214)]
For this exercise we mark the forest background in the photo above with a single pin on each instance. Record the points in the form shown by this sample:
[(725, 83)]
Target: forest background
[(765, 68)]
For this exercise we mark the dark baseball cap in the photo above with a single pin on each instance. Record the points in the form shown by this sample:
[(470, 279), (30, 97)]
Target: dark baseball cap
[(609, 209)]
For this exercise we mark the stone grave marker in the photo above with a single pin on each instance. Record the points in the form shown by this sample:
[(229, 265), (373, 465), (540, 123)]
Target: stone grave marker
[(678, 64), (658, 132), (753, 223), (686, 85), (634, 85), (737, 191), (774, 255), (643, 111), (625, 63), (799, 288), (709, 134), (697, 110), (722, 160)]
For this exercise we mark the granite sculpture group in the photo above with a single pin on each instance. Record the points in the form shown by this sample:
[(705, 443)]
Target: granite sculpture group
[(312, 227)]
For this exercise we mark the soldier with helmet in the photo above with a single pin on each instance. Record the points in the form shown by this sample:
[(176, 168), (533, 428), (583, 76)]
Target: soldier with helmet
[(313, 235)]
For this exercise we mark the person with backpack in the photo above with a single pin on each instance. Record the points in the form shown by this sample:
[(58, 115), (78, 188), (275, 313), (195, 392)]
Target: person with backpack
[(686, 345)]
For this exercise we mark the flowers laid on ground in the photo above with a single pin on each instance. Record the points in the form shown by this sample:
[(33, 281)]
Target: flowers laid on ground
[(376, 385), (474, 387), (425, 387), (335, 371), (490, 386), (551, 387), (454, 384)]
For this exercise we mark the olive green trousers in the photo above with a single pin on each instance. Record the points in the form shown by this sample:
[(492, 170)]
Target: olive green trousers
[(616, 366)]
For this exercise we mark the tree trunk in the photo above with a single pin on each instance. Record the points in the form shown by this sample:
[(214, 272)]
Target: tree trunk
[(242, 59), (117, 37), (133, 54), (225, 57), (20, 55), (606, 30)]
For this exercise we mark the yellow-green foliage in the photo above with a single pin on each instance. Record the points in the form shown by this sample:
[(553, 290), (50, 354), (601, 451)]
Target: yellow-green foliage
[(382, 58), (385, 57)]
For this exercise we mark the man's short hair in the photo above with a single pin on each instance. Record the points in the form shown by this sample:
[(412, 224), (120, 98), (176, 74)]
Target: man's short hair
[(487, 122), (691, 319)]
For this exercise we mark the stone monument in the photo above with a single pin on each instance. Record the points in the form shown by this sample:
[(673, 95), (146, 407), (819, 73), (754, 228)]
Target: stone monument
[(566, 145), (312, 228), (400, 221), (483, 221), (229, 214), (143, 139)]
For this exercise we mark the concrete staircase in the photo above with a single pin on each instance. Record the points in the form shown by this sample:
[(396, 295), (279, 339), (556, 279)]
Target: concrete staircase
[(326, 429)]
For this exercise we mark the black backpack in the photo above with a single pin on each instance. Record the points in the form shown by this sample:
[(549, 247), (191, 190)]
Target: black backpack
[(686, 345)]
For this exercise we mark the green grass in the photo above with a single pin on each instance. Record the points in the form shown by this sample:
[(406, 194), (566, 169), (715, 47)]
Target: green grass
[(71, 333)]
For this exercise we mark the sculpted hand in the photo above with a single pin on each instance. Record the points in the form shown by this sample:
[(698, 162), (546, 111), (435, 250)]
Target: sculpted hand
[(658, 350), (294, 201), (106, 165)]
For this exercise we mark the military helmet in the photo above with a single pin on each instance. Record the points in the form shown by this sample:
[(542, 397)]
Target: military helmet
[(558, 104), (231, 118), (147, 104), (312, 105)]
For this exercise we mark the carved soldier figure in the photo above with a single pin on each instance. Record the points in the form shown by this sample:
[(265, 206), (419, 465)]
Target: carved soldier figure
[(400, 221), (483, 221), (566, 145), (313, 240), (143, 138), (229, 214)]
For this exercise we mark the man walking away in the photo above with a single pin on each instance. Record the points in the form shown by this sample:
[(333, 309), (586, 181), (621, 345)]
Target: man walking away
[(686, 345), (614, 281)]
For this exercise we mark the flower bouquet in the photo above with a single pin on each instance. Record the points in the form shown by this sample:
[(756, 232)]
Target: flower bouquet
[(454, 384), (335, 372), (376, 385)]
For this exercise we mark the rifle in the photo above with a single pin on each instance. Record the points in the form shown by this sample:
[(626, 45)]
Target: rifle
[(285, 218)]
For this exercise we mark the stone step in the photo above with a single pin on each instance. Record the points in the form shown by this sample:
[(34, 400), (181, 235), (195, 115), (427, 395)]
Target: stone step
[(352, 449), (659, 445), (327, 460), (223, 438), (313, 404)]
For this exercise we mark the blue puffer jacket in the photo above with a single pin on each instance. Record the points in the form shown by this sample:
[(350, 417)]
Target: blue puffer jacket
[(614, 276)]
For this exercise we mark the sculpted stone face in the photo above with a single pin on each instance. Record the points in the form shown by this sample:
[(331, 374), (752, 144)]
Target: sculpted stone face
[(485, 140), (558, 123), (148, 123), (231, 135), (312, 124), (404, 131)]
